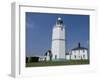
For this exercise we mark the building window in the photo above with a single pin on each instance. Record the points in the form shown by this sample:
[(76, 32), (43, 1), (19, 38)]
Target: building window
[(79, 51), (83, 51), (74, 51), (75, 56), (55, 56), (83, 56), (61, 28)]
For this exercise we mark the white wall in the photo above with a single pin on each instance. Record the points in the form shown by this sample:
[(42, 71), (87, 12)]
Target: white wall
[(5, 41), (67, 57), (78, 55), (58, 46)]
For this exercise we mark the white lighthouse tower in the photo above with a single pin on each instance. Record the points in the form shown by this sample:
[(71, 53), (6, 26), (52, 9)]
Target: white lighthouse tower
[(58, 40)]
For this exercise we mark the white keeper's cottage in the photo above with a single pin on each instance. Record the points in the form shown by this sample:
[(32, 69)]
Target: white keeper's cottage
[(79, 53)]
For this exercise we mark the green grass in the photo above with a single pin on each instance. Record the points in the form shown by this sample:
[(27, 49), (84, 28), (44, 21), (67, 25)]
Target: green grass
[(57, 63)]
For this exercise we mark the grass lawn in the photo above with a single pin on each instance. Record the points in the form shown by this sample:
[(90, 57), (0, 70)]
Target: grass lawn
[(57, 63)]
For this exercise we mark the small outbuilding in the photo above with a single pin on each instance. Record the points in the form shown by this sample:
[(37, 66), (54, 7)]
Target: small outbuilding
[(48, 55)]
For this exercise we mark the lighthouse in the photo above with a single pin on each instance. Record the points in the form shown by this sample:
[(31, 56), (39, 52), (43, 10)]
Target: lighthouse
[(58, 40)]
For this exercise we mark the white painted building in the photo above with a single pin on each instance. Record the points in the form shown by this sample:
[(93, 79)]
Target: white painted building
[(67, 56), (48, 55), (78, 53), (42, 58), (58, 40)]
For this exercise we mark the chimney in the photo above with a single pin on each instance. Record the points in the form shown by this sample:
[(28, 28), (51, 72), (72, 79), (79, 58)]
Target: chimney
[(79, 45)]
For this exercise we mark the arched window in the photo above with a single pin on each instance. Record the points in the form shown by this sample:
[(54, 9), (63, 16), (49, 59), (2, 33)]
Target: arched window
[(83, 56), (79, 51), (74, 51), (55, 56), (75, 56), (83, 51)]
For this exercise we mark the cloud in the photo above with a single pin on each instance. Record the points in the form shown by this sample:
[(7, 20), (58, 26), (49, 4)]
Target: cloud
[(87, 42), (30, 25)]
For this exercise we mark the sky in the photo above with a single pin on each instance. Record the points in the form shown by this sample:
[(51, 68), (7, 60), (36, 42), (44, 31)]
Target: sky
[(39, 31)]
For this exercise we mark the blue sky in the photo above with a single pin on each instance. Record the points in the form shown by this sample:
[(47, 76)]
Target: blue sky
[(39, 31)]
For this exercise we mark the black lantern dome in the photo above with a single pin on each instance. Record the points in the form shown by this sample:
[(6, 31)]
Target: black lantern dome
[(59, 21)]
